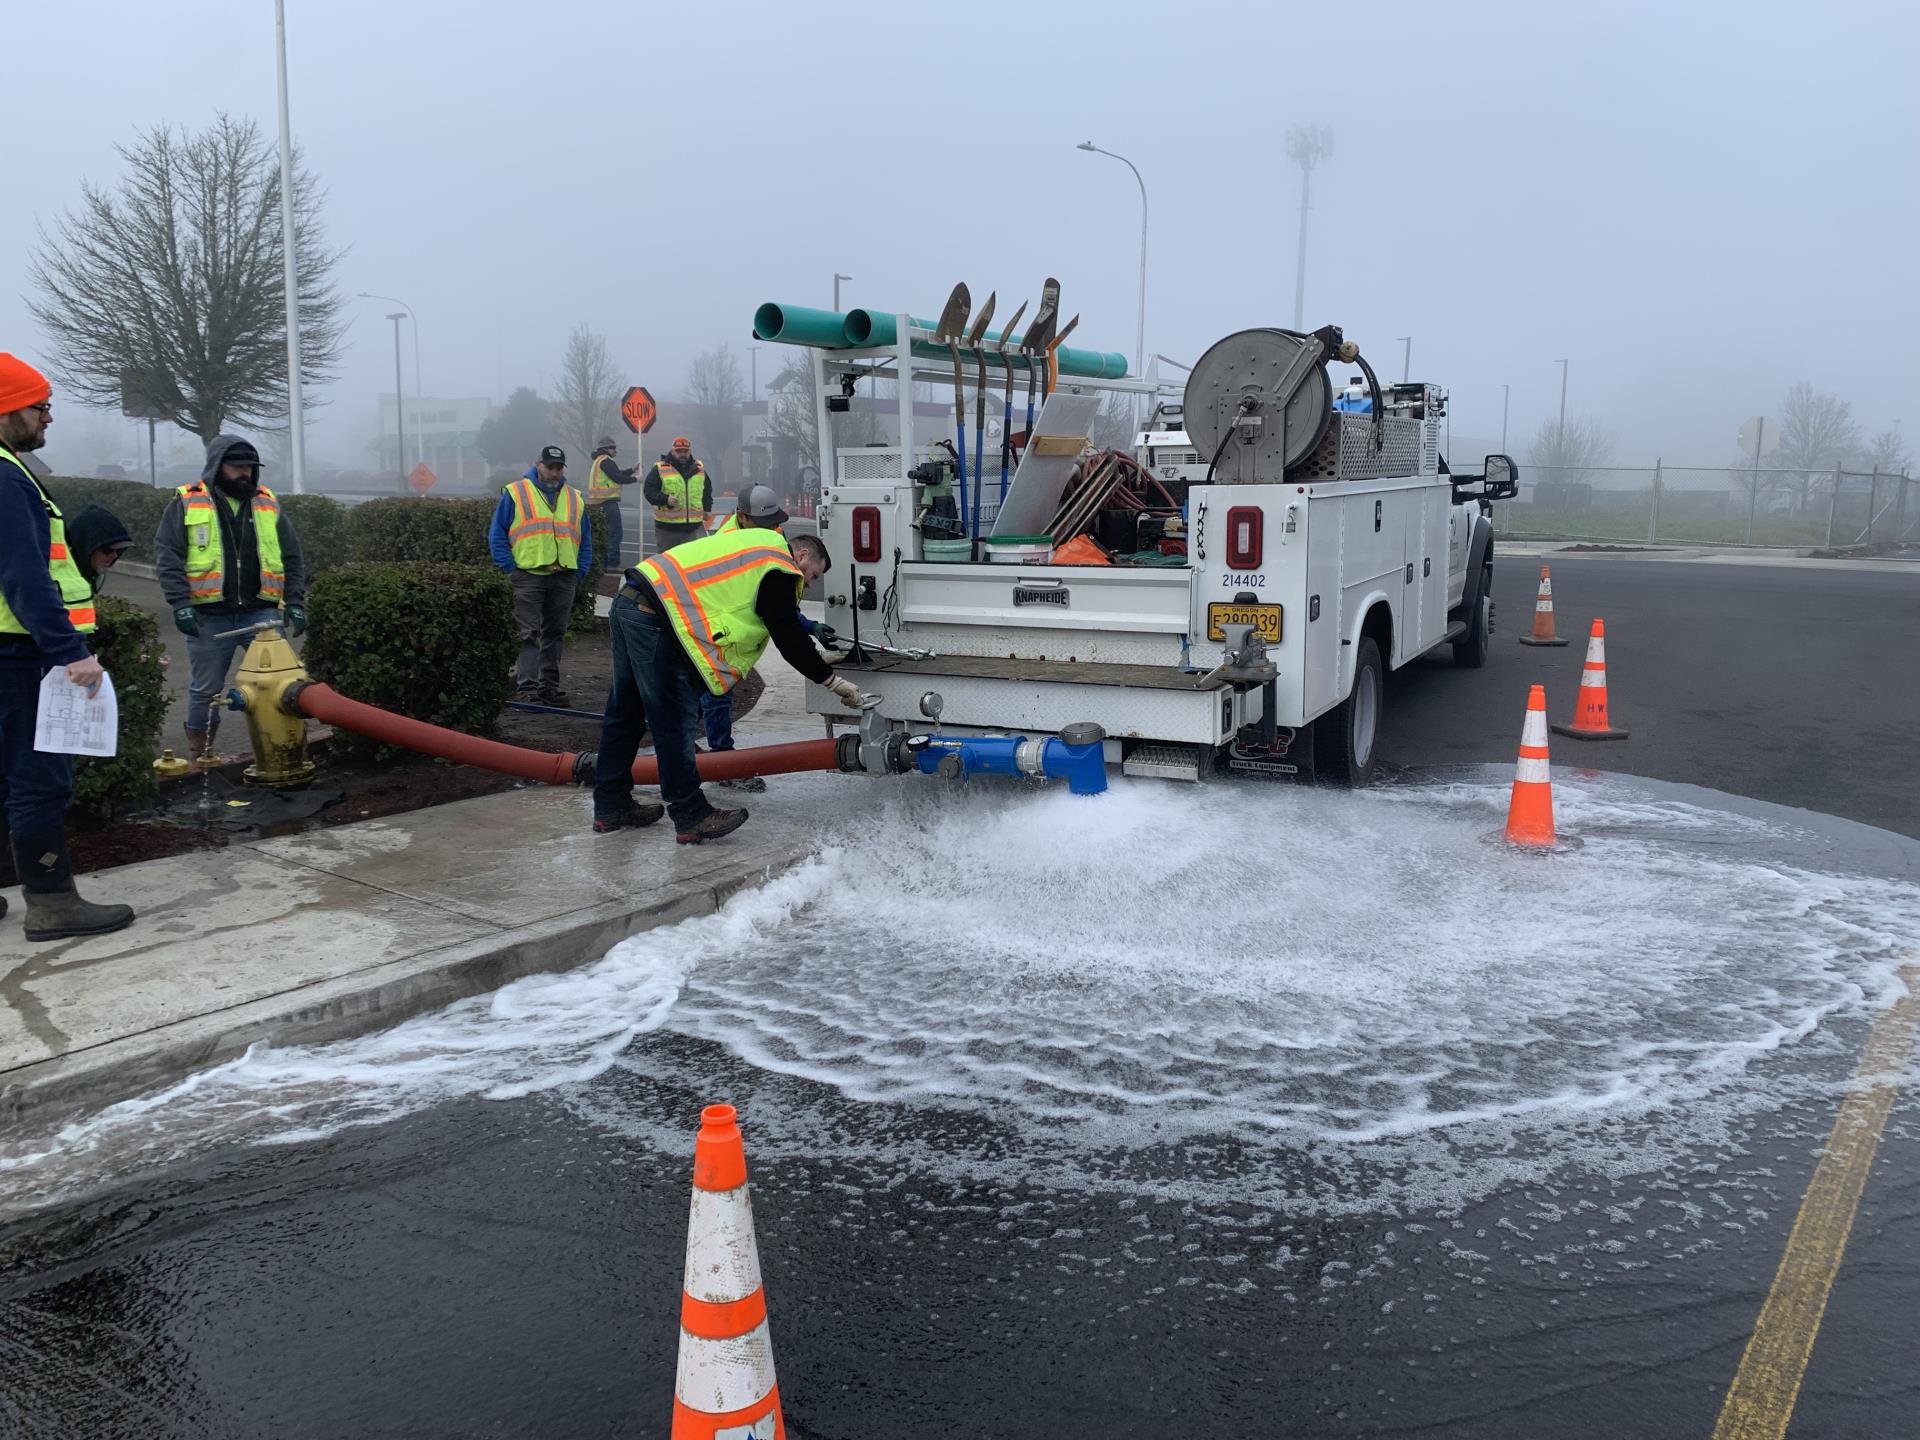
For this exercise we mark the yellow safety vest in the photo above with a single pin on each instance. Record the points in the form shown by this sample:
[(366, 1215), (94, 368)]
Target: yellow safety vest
[(709, 587), (683, 507), (544, 538), (75, 593), (730, 522), (206, 551), (601, 487)]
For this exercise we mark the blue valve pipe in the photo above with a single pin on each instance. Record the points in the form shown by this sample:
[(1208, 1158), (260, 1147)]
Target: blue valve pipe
[(1083, 766)]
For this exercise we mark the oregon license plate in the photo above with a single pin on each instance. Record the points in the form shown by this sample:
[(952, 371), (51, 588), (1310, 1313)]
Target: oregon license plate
[(1265, 620)]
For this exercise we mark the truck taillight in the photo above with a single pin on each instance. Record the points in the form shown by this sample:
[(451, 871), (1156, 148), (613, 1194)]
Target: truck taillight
[(866, 534), (1243, 537)]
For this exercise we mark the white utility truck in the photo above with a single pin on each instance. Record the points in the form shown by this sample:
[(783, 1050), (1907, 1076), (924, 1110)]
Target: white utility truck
[(1251, 605)]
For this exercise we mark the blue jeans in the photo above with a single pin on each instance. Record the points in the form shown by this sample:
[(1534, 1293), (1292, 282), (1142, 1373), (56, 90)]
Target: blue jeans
[(608, 526), (716, 718), (209, 659), (654, 685), (34, 787)]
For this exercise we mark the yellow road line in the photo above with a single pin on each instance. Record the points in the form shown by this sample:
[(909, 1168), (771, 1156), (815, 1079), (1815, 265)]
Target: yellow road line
[(1760, 1401)]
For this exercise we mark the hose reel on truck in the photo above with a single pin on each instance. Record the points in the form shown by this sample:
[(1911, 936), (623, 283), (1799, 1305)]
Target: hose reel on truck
[(1259, 402)]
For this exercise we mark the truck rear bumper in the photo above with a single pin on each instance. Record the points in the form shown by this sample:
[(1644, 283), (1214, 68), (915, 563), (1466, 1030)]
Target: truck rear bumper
[(1131, 702)]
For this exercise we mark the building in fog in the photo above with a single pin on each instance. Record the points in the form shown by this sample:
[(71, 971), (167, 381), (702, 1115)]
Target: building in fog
[(443, 432)]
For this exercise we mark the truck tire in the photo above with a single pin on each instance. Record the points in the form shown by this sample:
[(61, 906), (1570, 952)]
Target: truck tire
[(1346, 740), (1471, 649)]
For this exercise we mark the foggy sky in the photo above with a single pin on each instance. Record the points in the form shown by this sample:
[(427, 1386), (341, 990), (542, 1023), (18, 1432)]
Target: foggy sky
[(1697, 204)]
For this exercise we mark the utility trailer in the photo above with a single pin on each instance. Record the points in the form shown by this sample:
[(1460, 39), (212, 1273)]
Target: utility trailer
[(1323, 546)]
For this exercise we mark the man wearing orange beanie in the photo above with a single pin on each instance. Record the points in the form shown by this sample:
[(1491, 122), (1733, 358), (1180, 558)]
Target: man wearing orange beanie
[(46, 614)]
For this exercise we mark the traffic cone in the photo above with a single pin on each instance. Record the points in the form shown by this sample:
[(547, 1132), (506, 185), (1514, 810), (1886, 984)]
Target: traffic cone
[(1590, 711), (725, 1387), (1530, 810), (1542, 633)]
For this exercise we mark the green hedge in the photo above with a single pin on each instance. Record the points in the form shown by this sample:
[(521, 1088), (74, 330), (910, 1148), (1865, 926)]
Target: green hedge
[(321, 523), (136, 504), (451, 531), (426, 639), (128, 643)]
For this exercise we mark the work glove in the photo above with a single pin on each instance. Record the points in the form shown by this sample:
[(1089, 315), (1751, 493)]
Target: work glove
[(848, 692), (826, 635), (186, 621), (296, 620)]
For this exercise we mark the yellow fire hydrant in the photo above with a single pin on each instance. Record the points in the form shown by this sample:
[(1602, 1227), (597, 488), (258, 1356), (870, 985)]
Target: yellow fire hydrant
[(279, 734)]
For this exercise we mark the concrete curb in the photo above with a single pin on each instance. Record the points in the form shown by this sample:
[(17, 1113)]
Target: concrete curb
[(345, 1006)]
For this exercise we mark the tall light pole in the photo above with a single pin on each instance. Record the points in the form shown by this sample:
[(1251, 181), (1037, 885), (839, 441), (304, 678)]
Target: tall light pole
[(290, 261), (1406, 363), (837, 278), (1140, 319), (399, 400), (1307, 146), (1504, 397), (1563, 403), (420, 438), (753, 358)]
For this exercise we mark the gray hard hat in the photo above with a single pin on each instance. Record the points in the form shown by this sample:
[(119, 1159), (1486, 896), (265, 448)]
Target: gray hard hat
[(759, 504)]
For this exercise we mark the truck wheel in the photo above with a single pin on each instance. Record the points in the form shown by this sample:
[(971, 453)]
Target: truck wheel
[(1471, 650), (1345, 739)]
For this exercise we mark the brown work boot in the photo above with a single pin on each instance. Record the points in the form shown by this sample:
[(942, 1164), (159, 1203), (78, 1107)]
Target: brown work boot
[(711, 826), (636, 816), (196, 745)]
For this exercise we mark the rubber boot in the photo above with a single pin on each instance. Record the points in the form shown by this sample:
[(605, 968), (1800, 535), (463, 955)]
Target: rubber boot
[(55, 910)]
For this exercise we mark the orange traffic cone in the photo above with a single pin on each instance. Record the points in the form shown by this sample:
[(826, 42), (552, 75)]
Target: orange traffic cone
[(1590, 712), (725, 1388), (1542, 633), (1530, 810)]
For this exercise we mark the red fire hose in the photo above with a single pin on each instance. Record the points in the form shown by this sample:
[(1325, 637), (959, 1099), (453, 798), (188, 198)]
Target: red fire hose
[(325, 704)]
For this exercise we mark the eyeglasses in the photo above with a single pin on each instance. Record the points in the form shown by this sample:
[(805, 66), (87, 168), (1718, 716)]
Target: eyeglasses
[(45, 407)]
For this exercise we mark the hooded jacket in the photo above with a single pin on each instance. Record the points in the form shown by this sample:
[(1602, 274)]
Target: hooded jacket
[(242, 568), (94, 529)]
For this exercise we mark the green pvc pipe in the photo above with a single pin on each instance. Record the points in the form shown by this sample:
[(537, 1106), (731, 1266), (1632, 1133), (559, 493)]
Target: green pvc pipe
[(797, 325), (877, 328)]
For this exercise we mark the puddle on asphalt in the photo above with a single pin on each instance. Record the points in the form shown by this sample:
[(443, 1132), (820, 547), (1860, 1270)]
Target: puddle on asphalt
[(1282, 995)]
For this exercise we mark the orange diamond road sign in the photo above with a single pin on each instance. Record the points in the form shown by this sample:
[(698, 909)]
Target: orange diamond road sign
[(422, 479), (637, 409)]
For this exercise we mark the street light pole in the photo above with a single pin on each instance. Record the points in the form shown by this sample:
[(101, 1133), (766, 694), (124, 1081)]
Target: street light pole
[(399, 400), (1504, 397), (1307, 146), (420, 437), (1563, 403), (1406, 364), (837, 278), (1140, 317), (753, 353), (290, 263)]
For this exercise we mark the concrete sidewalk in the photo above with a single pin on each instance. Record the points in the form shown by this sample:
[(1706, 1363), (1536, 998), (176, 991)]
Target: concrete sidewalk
[(340, 931)]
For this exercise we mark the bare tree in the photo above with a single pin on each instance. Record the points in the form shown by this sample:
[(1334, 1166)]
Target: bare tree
[(1817, 435), (714, 392), (1887, 453), (1568, 454), (175, 281), (586, 396), (1117, 422)]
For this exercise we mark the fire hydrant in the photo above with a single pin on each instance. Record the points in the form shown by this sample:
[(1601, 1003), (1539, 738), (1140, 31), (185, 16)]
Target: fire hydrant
[(279, 734)]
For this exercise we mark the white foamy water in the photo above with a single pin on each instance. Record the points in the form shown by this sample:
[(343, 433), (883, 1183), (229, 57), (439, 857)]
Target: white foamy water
[(1315, 973)]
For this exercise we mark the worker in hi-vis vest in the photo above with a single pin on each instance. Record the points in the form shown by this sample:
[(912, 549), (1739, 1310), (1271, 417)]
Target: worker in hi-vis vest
[(46, 619), (226, 558), (604, 479), (542, 538), (689, 622), (681, 494)]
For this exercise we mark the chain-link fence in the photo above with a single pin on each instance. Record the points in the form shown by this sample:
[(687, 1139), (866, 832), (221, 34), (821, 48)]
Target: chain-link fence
[(1716, 505)]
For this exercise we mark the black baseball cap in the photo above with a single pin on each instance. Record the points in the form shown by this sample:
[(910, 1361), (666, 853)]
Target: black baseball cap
[(553, 455), (241, 452)]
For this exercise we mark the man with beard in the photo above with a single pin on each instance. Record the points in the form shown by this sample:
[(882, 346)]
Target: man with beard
[(226, 558)]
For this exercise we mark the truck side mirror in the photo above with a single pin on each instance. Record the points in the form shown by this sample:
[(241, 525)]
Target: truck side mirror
[(1502, 478)]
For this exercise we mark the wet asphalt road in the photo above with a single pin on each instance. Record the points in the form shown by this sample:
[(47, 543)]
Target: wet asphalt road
[(512, 1268)]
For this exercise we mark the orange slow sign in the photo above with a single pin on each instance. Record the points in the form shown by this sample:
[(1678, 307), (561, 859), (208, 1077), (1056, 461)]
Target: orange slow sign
[(637, 409)]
